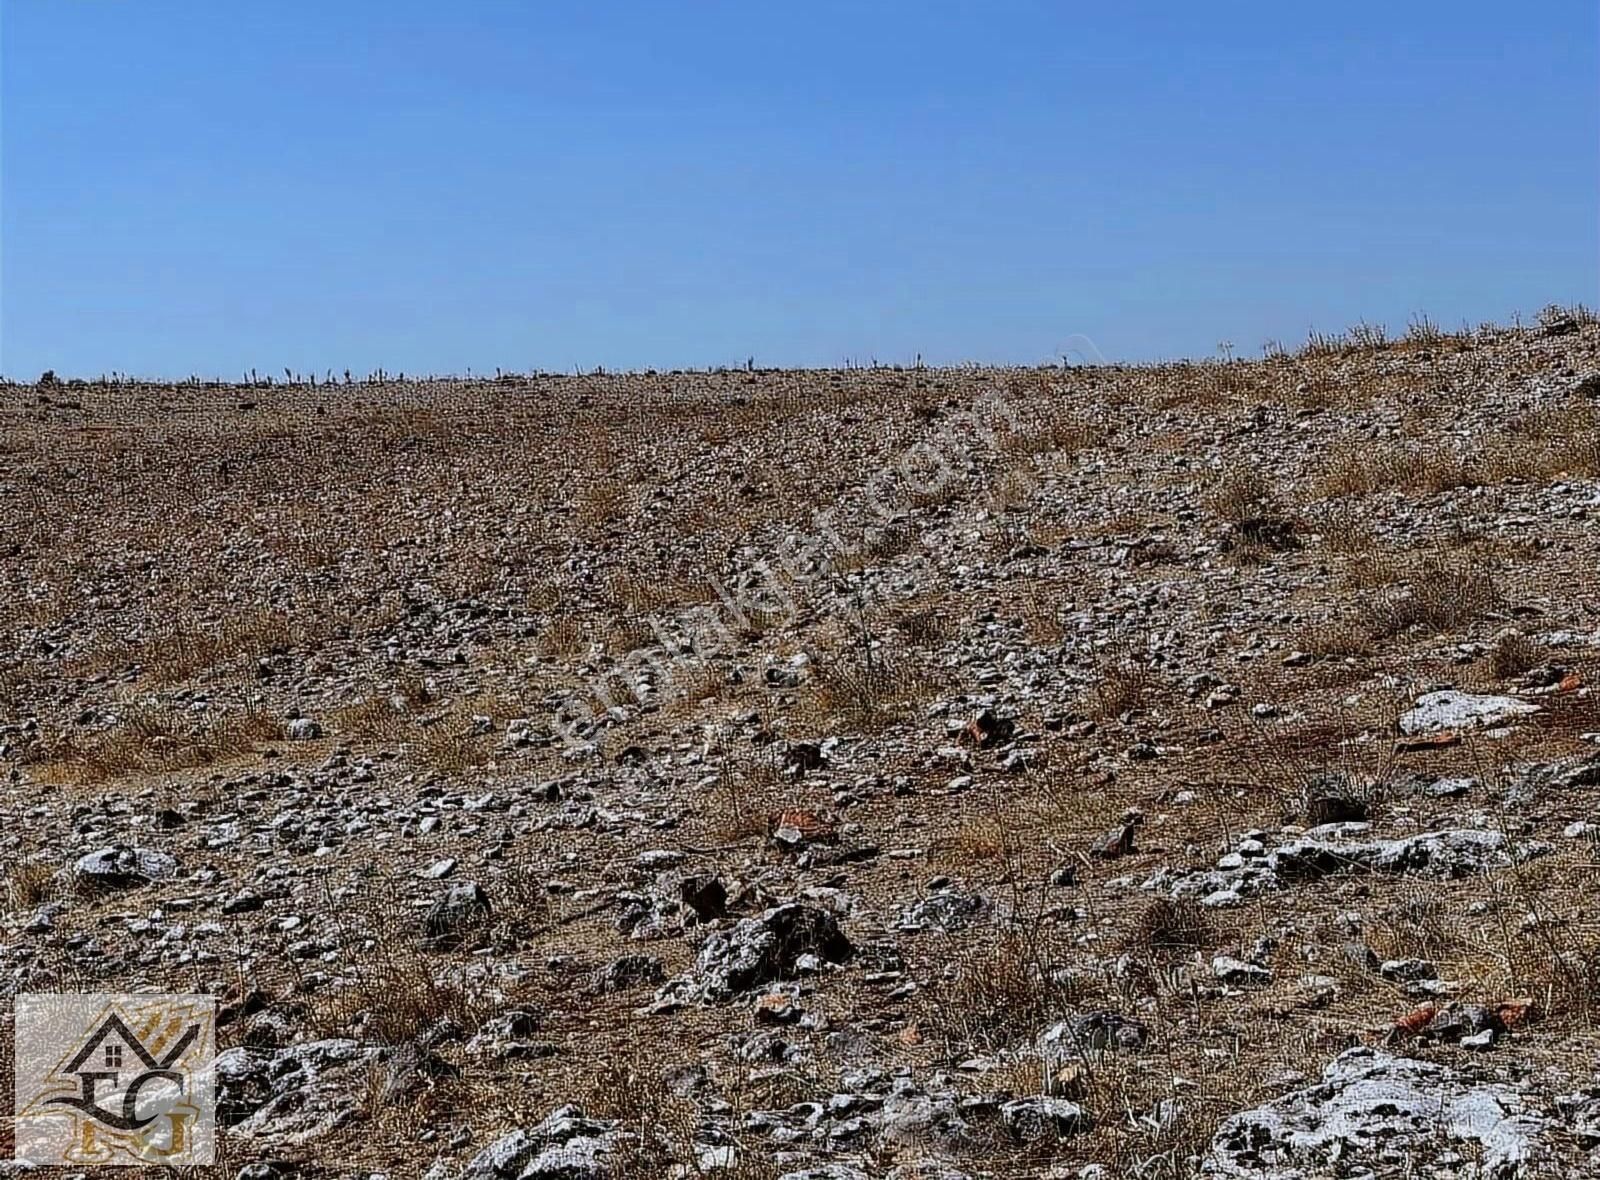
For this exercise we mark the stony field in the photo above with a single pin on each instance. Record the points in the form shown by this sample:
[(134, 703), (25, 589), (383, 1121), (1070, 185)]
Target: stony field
[(1165, 771)]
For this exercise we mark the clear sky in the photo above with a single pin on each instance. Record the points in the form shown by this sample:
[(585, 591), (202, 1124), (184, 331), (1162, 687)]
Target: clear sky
[(436, 186)]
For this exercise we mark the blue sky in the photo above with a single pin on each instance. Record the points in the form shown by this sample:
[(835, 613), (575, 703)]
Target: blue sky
[(195, 187)]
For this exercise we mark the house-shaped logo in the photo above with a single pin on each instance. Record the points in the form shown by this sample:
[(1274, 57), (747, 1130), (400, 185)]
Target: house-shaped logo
[(115, 1079)]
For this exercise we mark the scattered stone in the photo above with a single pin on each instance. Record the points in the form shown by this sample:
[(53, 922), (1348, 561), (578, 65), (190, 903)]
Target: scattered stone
[(1373, 1110), (1238, 972), (1436, 712), (948, 912), (567, 1145), (1092, 1032), (627, 971), (1115, 843), (1408, 970), (460, 908), (1029, 1119), (766, 949), (1336, 809), (705, 895), (794, 827), (803, 757), (1335, 848), (987, 730), (122, 867)]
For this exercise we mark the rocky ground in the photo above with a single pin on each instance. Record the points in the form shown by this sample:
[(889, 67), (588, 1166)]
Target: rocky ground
[(1184, 770)]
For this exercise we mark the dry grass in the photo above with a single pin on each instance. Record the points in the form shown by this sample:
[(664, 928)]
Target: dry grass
[(1005, 986), (1343, 529), (1335, 638), (865, 690), (1124, 685), (1242, 494), (1211, 385), (1439, 593), (1047, 424), (185, 648), (567, 545), (983, 840), (150, 739), (1513, 654), (563, 638), (25, 885), (1556, 442), (1167, 926), (450, 747), (446, 741)]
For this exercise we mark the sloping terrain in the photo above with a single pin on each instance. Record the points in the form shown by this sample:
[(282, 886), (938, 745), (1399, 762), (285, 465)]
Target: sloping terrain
[(1167, 770)]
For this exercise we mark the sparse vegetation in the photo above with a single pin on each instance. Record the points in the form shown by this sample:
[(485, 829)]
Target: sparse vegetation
[(487, 723)]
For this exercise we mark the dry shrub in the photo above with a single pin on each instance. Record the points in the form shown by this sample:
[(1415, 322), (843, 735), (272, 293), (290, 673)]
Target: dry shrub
[(630, 635), (1040, 427), (563, 638), (1014, 489), (375, 718), (1168, 924), (1124, 686), (1354, 468), (1211, 385), (1042, 614), (923, 625), (1300, 763), (450, 747), (1243, 494), (1332, 639), (1438, 594), (984, 840), (26, 884), (395, 992), (864, 690), (747, 792), (1513, 654), (1551, 443), (601, 504), (1004, 986)]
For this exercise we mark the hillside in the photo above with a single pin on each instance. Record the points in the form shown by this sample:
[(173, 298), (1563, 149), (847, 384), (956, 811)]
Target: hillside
[(1186, 769)]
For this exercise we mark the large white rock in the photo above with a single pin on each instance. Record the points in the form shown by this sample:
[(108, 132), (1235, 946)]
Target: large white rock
[(1375, 1114), (1449, 709)]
